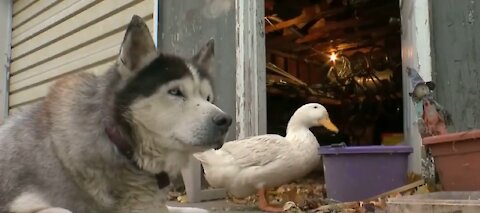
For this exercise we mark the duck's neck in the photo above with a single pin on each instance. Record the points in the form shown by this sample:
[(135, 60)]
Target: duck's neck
[(298, 132)]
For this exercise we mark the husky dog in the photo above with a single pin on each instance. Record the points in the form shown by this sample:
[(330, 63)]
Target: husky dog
[(108, 144)]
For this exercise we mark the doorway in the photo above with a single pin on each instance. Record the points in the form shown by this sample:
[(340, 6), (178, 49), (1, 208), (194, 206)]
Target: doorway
[(297, 66), (345, 55)]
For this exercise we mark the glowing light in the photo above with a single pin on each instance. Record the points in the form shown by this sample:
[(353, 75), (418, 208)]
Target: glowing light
[(333, 57)]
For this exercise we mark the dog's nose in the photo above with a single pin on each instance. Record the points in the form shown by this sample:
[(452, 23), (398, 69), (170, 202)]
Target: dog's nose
[(222, 120)]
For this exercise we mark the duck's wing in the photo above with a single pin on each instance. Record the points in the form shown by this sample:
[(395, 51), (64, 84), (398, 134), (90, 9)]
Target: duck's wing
[(256, 151)]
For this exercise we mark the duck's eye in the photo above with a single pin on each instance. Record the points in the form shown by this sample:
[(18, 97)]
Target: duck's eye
[(176, 92), (315, 107), (208, 98)]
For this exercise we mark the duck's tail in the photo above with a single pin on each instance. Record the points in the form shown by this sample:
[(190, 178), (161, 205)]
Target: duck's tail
[(204, 157), (219, 167)]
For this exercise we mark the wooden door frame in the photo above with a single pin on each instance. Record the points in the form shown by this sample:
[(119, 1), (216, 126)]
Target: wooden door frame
[(251, 74), (250, 86), (5, 53), (251, 106), (416, 53)]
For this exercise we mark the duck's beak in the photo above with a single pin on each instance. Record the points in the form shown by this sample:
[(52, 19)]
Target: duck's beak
[(327, 123)]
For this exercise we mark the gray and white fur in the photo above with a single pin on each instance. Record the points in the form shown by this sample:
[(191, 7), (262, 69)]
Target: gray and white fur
[(97, 143)]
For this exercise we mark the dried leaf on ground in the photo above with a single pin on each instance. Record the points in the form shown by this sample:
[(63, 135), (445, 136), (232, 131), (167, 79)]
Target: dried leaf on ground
[(250, 200), (291, 207), (307, 194), (422, 189), (182, 199), (379, 202), (338, 207), (412, 177), (174, 195)]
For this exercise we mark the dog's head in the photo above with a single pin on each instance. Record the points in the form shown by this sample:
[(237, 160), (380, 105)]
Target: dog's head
[(165, 99)]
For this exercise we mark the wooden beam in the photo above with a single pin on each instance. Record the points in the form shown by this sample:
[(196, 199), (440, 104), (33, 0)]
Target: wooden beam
[(401, 189), (319, 24), (292, 67), (374, 33), (350, 51), (318, 33), (366, 17), (279, 62), (322, 100), (292, 56), (357, 206), (284, 43), (283, 54), (350, 48), (338, 25), (387, 8), (308, 14)]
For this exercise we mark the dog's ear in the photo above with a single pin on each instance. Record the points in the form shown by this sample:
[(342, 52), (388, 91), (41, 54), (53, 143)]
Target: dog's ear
[(137, 46), (204, 58)]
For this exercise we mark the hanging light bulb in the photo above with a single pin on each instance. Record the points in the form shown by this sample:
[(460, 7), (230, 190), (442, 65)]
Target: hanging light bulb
[(333, 57)]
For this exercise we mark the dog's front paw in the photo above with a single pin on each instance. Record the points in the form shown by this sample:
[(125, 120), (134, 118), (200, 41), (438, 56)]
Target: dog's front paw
[(54, 210)]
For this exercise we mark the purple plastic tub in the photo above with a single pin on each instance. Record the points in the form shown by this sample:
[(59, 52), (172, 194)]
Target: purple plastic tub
[(357, 173)]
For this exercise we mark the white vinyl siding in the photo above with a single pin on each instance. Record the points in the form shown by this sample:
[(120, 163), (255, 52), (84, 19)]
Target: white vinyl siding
[(54, 38)]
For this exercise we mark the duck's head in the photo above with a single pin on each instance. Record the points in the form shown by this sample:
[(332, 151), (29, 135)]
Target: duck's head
[(313, 115)]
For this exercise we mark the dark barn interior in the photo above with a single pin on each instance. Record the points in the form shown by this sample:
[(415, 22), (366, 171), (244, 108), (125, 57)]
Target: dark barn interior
[(344, 54)]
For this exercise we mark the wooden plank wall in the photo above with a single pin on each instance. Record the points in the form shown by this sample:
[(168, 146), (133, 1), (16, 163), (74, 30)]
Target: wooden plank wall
[(54, 38), (307, 72), (456, 64)]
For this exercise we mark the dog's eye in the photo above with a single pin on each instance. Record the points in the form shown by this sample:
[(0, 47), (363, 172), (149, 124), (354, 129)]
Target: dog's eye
[(315, 107), (208, 98), (175, 92)]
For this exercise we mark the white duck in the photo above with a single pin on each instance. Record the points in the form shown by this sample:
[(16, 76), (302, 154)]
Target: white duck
[(254, 164)]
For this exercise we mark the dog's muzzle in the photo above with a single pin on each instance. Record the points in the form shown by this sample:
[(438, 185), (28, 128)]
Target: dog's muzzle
[(222, 123), (216, 143), (218, 147)]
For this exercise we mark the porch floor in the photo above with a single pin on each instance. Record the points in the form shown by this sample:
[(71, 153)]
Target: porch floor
[(217, 206)]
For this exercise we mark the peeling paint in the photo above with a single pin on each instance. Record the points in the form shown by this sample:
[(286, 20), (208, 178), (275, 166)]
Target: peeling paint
[(457, 60), (421, 19), (216, 8), (250, 53), (416, 53), (471, 12), (185, 25)]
